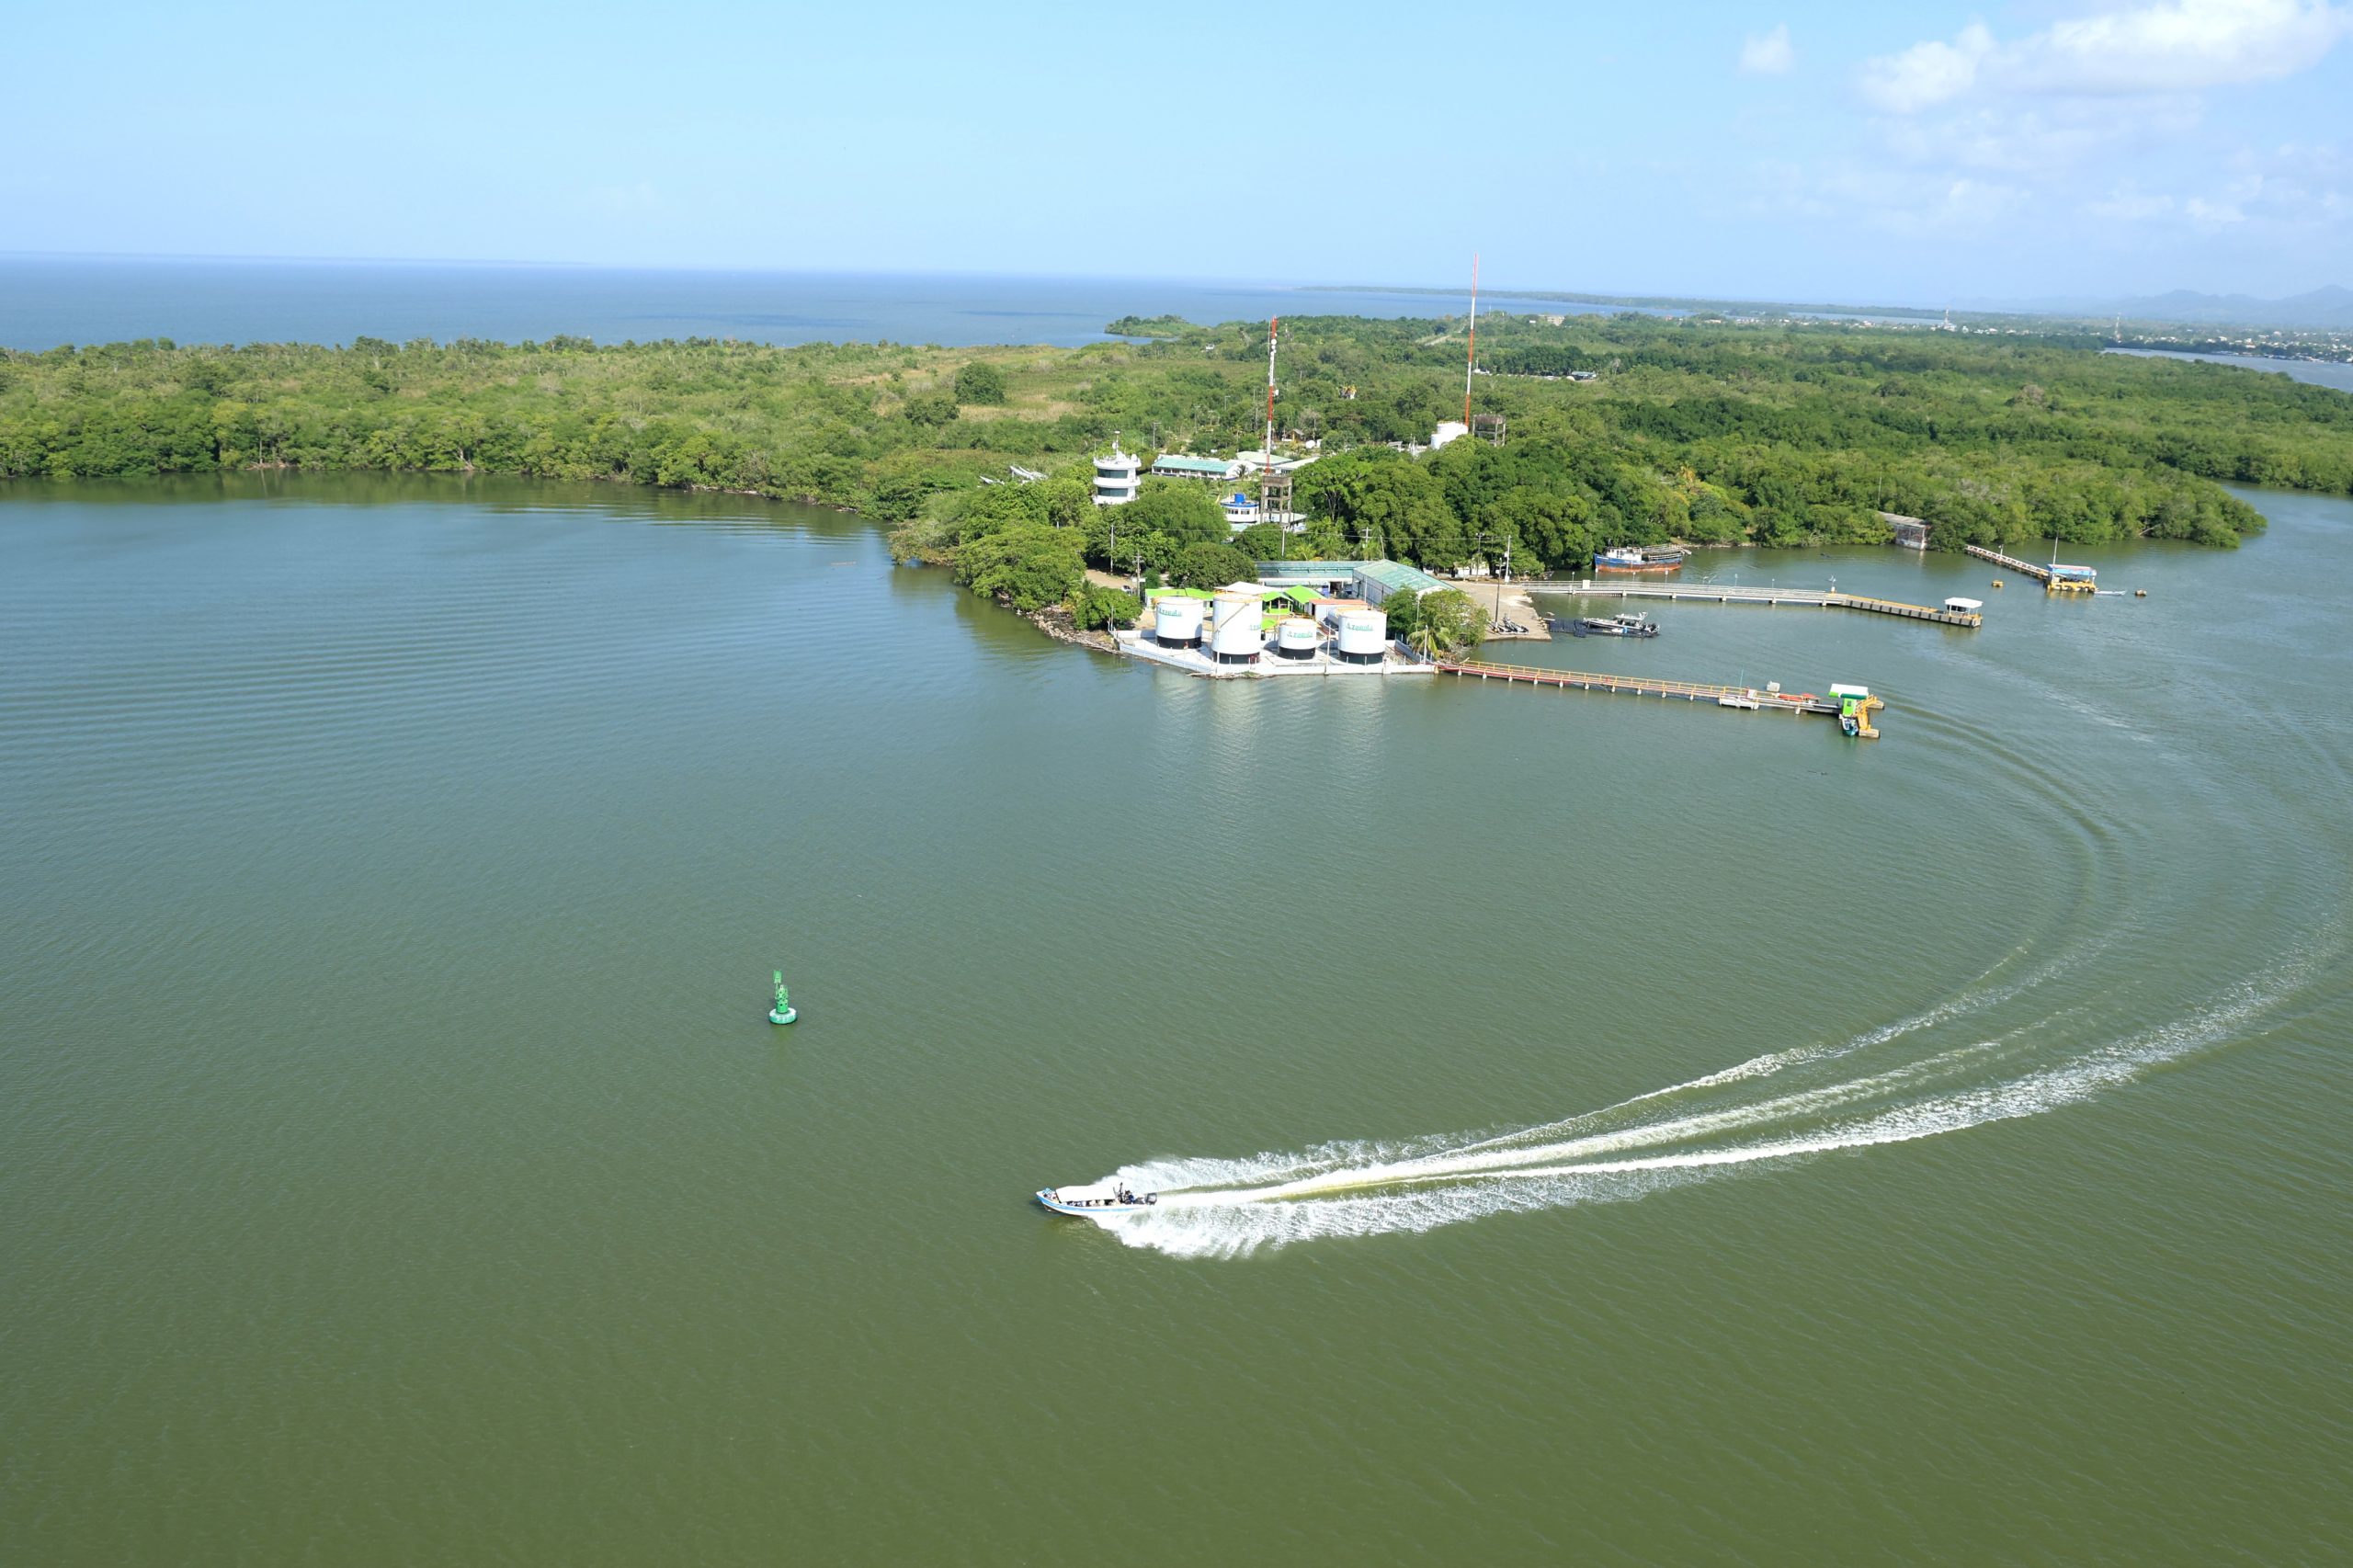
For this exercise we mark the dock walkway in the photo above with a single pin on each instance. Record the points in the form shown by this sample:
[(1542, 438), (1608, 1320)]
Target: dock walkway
[(1735, 696), (1721, 592), (2043, 575), (2023, 568)]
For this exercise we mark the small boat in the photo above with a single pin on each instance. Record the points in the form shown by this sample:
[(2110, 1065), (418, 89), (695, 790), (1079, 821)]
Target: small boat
[(783, 1012), (1612, 626), (1638, 558), (1730, 701), (1090, 1202)]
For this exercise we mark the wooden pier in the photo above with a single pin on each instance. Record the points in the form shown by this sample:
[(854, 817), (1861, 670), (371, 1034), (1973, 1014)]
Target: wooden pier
[(2023, 568), (2043, 575), (1739, 697), (1727, 594)]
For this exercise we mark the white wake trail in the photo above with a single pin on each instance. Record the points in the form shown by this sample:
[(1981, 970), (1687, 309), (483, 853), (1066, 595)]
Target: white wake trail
[(1211, 1208)]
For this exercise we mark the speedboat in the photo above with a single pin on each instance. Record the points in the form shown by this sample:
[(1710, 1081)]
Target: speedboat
[(1103, 1197)]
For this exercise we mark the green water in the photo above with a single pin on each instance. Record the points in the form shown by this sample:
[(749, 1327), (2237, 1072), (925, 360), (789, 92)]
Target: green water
[(397, 1166)]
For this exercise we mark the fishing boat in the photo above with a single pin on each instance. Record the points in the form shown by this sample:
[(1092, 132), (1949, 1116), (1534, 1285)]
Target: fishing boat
[(1613, 626), (1638, 558), (1089, 1202), (783, 1012)]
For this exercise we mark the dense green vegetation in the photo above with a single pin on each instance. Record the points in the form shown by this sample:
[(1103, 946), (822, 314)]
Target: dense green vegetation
[(1705, 432)]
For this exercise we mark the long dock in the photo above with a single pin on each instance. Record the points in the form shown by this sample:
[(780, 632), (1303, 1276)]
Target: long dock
[(1736, 696), (1721, 592), (2023, 568), (2043, 575)]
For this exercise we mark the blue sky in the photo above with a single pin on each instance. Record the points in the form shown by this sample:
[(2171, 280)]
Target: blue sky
[(1912, 153)]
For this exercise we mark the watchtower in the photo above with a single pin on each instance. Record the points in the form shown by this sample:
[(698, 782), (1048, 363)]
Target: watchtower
[(1275, 496)]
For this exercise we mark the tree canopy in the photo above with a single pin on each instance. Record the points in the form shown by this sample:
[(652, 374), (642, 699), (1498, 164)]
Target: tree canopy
[(1776, 433)]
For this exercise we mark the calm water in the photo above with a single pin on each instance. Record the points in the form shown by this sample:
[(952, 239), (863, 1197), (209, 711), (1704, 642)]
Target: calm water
[(47, 301), (2319, 372), (1798, 1151)]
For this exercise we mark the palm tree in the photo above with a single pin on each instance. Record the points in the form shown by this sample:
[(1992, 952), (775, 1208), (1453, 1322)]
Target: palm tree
[(1424, 640)]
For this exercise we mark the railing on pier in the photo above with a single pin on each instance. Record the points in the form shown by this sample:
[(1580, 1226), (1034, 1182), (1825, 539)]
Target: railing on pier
[(1721, 593), (1641, 685), (2024, 568)]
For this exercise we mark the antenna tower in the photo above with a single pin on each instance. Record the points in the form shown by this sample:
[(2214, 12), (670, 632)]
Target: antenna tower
[(1471, 360), (1274, 325), (1274, 491)]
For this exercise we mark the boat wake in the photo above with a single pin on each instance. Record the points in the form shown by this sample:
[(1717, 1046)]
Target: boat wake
[(1770, 1110)]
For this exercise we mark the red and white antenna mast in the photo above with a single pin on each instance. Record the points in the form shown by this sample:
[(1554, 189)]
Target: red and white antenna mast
[(1471, 361), (1273, 323)]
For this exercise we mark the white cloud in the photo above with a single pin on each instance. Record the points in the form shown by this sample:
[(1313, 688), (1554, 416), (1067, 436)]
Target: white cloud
[(2040, 140), (1928, 73), (2179, 46), (2187, 45), (1767, 55)]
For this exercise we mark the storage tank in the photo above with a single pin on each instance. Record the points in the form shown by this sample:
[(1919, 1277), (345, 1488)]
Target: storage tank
[(1176, 620), (1297, 638), (1364, 636), (1234, 634)]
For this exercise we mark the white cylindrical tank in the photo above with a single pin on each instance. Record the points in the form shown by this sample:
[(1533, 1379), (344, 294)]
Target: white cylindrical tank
[(1176, 620), (1297, 638), (1234, 627), (1364, 635)]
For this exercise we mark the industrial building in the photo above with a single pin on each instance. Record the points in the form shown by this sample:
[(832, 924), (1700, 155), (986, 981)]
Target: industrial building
[(1371, 581), (1300, 618)]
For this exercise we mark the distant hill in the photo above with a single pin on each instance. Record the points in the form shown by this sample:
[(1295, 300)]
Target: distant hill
[(2332, 306)]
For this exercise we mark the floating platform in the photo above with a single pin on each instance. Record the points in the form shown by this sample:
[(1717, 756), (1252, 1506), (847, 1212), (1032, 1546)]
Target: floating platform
[(1723, 594), (1738, 697)]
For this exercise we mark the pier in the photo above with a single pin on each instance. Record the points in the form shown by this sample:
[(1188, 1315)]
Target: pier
[(1744, 698), (2023, 568), (2043, 575), (1720, 593)]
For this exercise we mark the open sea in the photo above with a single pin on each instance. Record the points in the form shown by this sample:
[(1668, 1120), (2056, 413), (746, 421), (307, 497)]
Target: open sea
[(1589, 1128), (46, 300)]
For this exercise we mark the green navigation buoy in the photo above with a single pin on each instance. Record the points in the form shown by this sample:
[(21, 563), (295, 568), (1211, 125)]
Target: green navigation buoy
[(783, 1012)]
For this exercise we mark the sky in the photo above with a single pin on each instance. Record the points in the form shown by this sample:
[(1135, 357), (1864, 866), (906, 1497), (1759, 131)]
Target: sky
[(1917, 154)]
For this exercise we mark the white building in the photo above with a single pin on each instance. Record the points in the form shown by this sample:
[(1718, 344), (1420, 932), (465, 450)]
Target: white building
[(1116, 478)]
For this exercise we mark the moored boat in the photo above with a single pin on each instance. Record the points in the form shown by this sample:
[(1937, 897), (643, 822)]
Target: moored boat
[(1090, 1202), (1614, 626), (1637, 558)]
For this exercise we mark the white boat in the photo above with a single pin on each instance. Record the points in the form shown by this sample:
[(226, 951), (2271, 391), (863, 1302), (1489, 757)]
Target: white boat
[(1731, 701), (1089, 1202)]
